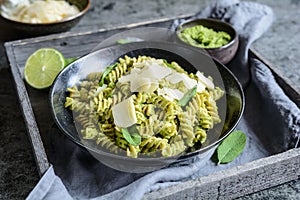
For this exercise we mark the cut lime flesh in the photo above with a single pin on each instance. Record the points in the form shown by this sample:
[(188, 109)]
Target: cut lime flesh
[(42, 67)]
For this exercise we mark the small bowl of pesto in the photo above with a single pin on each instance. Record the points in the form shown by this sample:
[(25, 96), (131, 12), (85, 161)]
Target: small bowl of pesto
[(217, 38), (42, 17)]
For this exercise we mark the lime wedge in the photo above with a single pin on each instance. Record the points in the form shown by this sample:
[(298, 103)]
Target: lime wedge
[(42, 67)]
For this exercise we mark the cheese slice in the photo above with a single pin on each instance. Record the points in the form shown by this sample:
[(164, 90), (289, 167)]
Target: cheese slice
[(189, 82), (174, 93), (168, 97), (140, 84), (124, 113), (206, 81), (200, 86), (170, 94), (146, 77), (176, 77), (126, 78), (161, 92), (155, 71), (133, 74), (153, 87)]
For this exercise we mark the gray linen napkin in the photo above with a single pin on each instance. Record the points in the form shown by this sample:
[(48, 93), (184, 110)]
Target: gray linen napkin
[(80, 176)]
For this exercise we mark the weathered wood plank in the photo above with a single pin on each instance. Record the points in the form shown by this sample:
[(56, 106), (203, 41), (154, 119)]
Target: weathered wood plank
[(71, 45), (29, 119), (237, 181)]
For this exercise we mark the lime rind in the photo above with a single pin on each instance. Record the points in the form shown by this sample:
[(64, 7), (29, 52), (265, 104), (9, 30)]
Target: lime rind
[(42, 67)]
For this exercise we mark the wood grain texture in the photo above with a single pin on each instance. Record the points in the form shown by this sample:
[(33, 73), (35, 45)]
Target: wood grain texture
[(237, 181), (227, 184), (29, 119)]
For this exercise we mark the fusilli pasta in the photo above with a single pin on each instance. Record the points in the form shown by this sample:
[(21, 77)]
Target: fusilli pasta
[(156, 121)]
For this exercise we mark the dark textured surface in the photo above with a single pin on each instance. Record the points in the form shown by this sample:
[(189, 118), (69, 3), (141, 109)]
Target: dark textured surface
[(18, 173)]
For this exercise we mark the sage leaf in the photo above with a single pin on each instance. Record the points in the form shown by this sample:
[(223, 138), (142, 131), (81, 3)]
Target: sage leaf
[(231, 147), (188, 96), (106, 72), (132, 138)]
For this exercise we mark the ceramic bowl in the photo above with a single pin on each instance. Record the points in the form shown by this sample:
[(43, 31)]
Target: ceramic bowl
[(230, 106), (225, 53), (52, 27)]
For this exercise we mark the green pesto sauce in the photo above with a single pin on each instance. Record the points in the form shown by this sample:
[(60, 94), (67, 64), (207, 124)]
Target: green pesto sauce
[(203, 37)]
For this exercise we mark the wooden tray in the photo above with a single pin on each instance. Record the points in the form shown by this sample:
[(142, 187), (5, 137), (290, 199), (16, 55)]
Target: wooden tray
[(231, 183)]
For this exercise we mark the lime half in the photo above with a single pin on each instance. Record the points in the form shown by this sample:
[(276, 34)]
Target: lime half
[(42, 67)]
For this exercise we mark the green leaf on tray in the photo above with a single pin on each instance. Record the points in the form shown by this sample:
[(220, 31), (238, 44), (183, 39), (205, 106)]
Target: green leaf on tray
[(188, 96), (106, 72), (132, 138), (231, 147)]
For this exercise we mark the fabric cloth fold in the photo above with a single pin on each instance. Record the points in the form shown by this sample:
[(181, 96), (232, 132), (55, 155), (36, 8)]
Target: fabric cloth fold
[(283, 109), (76, 174), (50, 187)]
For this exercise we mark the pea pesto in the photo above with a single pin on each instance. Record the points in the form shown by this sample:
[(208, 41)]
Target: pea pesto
[(204, 37)]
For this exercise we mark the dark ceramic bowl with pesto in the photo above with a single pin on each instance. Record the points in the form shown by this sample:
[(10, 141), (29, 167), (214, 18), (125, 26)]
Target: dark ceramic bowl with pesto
[(230, 106), (64, 25), (224, 53)]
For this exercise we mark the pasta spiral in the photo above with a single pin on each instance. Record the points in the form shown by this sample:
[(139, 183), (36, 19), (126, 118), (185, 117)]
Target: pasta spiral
[(152, 144), (162, 126), (175, 148), (187, 130)]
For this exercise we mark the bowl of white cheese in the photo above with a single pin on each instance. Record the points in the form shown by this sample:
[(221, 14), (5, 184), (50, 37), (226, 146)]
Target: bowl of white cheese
[(42, 17)]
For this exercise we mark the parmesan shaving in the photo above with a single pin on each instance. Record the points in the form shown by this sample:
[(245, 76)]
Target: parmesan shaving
[(206, 81), (42, 11), (124, 113)]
